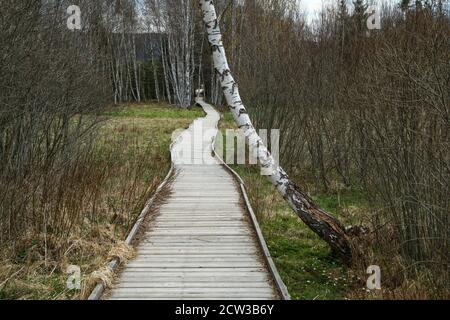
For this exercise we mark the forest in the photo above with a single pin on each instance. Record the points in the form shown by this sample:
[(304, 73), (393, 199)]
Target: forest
[(364, 115)]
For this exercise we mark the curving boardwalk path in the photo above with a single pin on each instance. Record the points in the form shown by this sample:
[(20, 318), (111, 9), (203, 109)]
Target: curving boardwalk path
[(202, 244)]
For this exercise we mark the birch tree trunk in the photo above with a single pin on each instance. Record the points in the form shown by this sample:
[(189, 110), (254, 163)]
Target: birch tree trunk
[(321, 222), (155, 72), (180, 33)]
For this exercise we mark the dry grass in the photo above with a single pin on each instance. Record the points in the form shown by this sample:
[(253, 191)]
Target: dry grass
[(131, 157), (123, 253)]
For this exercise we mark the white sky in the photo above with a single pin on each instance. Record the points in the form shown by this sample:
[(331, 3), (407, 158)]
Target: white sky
[(312, 7)]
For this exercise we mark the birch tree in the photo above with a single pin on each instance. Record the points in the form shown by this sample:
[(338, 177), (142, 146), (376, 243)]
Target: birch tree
[(321, 222), (174, 20), (125, 69)]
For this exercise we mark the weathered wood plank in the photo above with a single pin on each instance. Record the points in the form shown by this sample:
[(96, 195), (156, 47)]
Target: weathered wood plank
[(185, 278), (198, 250), (188, 270), (195, 264), (194, 284), (193, 290)]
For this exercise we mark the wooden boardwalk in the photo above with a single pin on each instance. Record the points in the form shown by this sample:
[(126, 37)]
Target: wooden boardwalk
[(202, 244)]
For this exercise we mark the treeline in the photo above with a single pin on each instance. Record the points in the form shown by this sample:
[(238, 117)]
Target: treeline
[(363, 109), (154, 50), (158, 50)]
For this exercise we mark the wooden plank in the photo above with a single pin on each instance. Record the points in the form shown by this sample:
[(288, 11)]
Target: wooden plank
[(200, 241), (187, 250), (184, 285), (193, 255), (202, 231), (142, 277), (191, 270), (193, 290), (195, 264), (192, 207), (199, 213), (246, 298), (169, 241), (167, 260), (196, 247), (227, 219), (194, 242), (196, 223)]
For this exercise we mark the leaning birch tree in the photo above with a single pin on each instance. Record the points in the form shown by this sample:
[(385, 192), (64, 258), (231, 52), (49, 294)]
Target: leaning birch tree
[(321, 222)]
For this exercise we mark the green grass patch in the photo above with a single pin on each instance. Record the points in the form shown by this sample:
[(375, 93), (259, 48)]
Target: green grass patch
[(228, 120), (155, 111), (303, 260)]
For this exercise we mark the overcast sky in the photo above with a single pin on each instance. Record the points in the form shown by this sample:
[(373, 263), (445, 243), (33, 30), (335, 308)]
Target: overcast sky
[(312, 7)]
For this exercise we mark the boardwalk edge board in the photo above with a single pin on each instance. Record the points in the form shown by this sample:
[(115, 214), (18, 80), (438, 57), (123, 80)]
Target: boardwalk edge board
[(284, 293)]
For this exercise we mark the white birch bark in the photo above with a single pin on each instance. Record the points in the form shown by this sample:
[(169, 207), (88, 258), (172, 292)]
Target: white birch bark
[(155, 72), (180, 33), (322, 223), (165, 71), (136, 69)]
